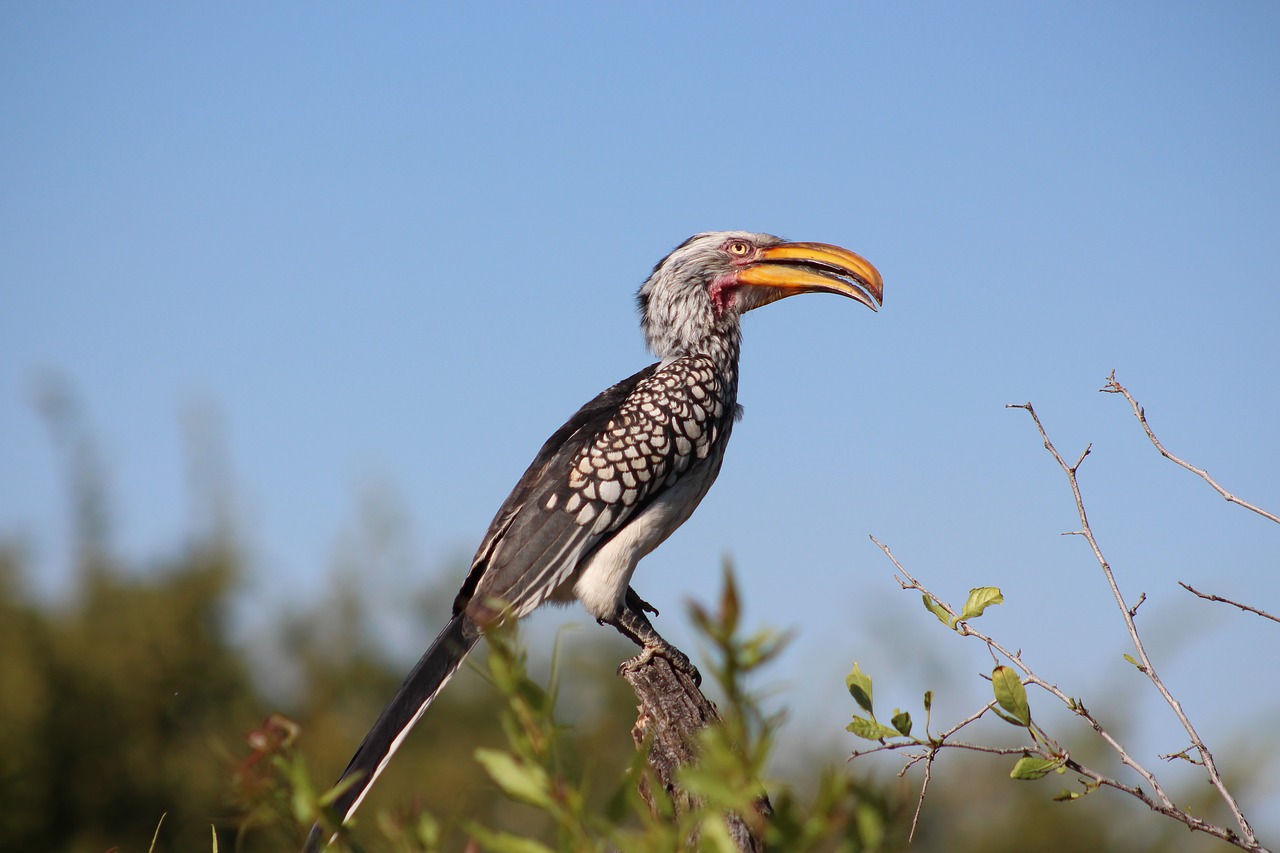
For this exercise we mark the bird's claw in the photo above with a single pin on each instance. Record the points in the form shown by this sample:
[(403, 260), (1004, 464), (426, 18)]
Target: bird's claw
[(638, 604), (635, 626), (679, 661)]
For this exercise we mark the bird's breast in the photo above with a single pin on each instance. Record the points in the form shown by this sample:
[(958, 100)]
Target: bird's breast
[(667, 425)]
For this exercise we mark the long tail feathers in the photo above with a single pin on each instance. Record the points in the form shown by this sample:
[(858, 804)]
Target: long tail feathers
[(419, 689)]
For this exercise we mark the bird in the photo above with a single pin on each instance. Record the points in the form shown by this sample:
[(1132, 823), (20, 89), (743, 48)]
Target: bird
[(623, 473)]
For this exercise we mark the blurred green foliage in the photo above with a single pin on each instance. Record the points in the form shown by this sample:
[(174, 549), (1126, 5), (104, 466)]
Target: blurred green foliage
[(112, 706)]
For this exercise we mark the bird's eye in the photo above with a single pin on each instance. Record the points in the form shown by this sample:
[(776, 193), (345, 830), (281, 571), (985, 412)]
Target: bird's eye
[(739, 248)]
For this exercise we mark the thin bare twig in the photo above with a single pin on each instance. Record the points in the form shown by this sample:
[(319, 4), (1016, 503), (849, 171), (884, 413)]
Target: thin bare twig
[(1114, 387), (1207, 597), (924, 789)]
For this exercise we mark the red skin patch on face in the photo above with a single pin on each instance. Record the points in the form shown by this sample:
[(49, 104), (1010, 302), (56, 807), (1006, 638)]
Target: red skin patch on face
[(723, 292)]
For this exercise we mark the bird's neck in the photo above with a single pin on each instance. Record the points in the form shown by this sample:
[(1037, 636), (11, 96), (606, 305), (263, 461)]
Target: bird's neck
[(721, 345)]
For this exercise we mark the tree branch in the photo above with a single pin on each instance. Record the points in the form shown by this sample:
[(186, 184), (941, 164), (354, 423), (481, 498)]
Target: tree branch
[(671, 712), (966, 629), (1114, 387), (1264, 614), (1147, 667), (1157, 800)]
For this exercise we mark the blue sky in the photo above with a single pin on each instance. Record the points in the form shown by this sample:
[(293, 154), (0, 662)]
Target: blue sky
[(394, 246)]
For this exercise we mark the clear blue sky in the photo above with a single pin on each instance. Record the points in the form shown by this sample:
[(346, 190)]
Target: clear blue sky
[(394, 246)]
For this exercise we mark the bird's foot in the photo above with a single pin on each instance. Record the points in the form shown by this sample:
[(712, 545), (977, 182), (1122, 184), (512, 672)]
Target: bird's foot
[(635, 626), (636, 603), (679, 661)]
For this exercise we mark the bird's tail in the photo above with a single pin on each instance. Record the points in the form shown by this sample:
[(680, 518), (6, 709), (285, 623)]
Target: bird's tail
[(420, 687)]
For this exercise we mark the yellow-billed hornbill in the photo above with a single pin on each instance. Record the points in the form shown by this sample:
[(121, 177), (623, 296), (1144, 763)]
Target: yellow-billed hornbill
[(625, 471)]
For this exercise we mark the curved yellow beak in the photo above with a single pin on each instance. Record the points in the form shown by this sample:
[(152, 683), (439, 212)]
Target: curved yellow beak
[(792, 268)]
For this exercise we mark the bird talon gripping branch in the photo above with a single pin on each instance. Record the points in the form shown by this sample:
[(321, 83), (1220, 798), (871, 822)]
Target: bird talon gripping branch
[(679, 661), (631, 622), (623, 473)]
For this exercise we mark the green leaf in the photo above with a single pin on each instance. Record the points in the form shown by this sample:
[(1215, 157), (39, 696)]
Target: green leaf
[(1131, 659), (713, 835), (730, 609), (527, 783), (426, 831), (1033, 767), (502, 842), (938, 610), (327, 798), (1011, 695), (303, 800), (859, 684), (709, 782), (1066, 795), (870, 729), (902, 722), (762, 647), (1010, 720), (928, 701), (980, 598), (870, 821)]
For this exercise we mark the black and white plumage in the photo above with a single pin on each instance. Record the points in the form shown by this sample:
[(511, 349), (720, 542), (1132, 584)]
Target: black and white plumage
[(624, 472)]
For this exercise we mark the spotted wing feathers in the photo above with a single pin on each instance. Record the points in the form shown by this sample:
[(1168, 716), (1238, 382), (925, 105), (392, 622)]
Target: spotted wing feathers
[(610, 460)]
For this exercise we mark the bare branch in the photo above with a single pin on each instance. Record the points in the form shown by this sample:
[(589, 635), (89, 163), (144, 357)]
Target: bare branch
[(1114, 387), (1148, 668), (1264, 614), (924, 789)]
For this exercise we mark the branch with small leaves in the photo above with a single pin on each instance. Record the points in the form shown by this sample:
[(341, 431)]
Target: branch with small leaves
[(1246, 837), (1043, 754), (1011, 676)]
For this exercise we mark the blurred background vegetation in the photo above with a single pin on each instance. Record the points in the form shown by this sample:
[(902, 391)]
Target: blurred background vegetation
[(132, 698)]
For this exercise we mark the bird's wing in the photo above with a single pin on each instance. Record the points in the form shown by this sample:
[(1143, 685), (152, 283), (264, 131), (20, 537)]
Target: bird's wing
[(574, 434), (609, 461)]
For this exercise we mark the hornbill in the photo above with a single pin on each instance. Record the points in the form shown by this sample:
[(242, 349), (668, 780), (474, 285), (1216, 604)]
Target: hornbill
[(623, 473)]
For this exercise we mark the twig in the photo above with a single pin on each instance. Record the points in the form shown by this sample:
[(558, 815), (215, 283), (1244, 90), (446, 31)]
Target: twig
[(1114, 387), (1264, 614), (924, 789), (1248, 838)]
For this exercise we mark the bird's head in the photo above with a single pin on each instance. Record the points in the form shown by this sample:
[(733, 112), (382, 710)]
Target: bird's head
[(699, 290)]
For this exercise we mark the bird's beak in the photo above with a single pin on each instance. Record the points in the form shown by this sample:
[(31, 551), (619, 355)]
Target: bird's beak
[(791, 268)]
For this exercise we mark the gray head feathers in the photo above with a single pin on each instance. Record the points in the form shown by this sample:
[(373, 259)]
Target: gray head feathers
[(679, 311)]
